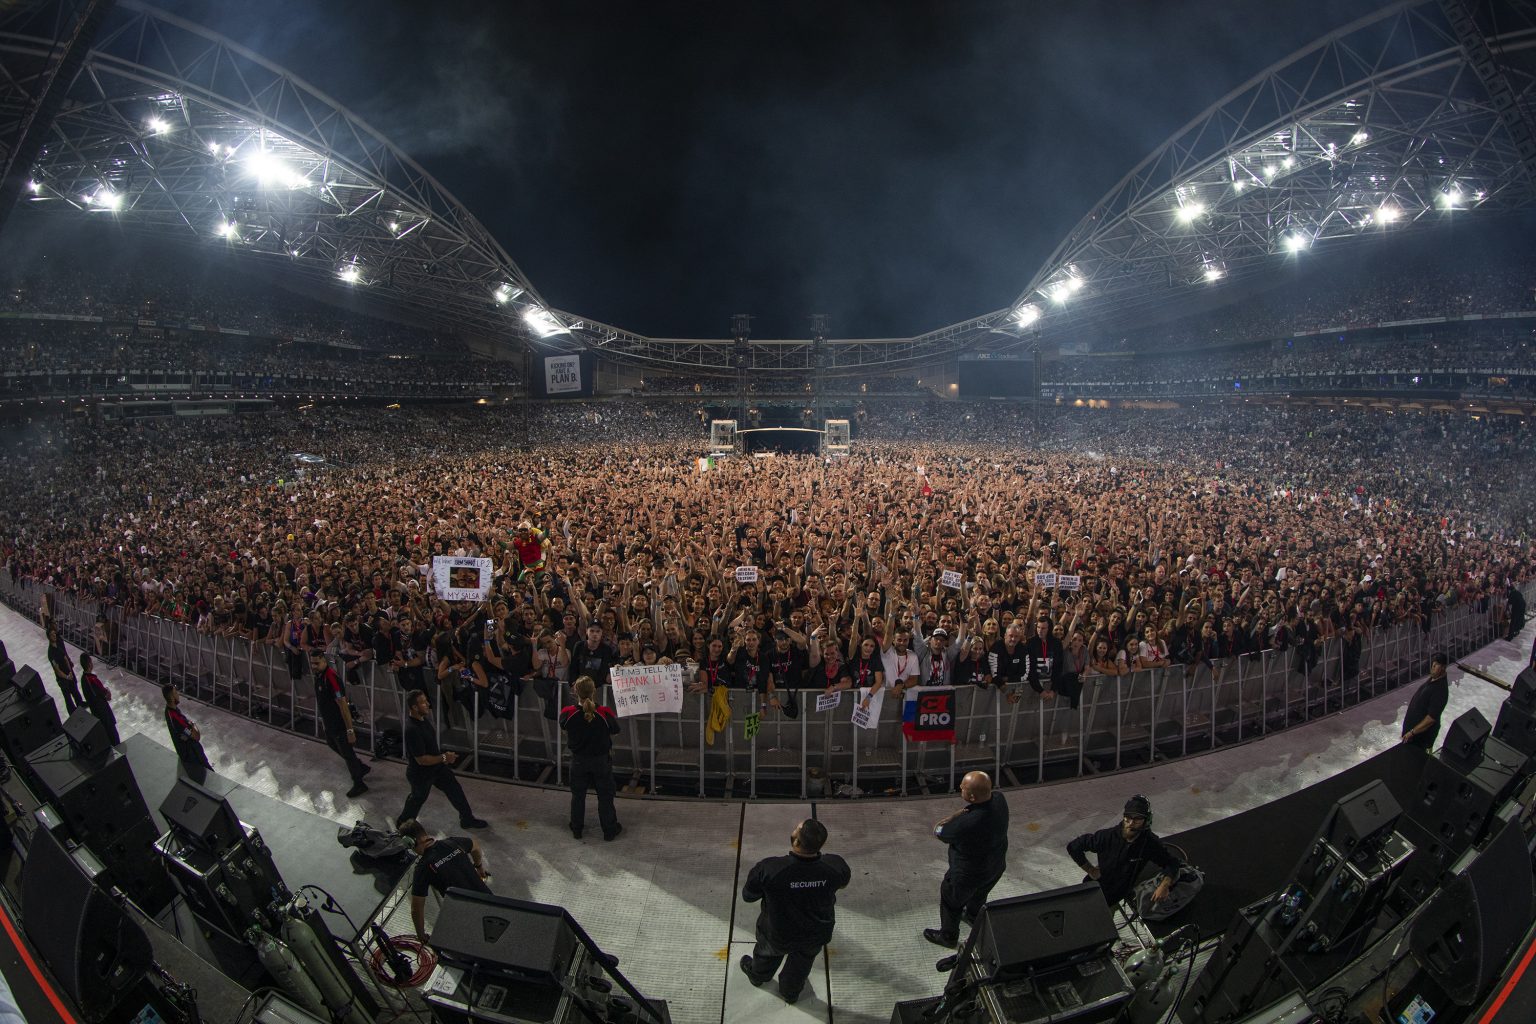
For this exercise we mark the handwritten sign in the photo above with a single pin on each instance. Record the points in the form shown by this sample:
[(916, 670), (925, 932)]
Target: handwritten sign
[(950, 578), (647, 689), (868, 717), (828, 701), (461, 579), (1069, 582), (746, 574), (750, 724), (862, 718), (1045, 580)]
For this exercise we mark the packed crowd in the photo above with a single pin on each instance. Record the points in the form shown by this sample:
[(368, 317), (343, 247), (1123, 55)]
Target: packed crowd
[(1199, 535), (1409, 285)]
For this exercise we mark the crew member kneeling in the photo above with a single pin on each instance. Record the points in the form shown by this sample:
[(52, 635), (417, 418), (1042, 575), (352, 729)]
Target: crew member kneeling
[(799, 894), (1122, 851)]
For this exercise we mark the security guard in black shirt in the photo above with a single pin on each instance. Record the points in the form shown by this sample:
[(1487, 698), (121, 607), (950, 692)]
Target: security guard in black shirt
[(1123, 851), (799, 894), (589, 730), (428, 765), (453, 862), (977, 836)]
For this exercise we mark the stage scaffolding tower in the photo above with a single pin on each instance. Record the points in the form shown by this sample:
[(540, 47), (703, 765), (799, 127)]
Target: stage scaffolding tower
[(818, 367), (741, 359)]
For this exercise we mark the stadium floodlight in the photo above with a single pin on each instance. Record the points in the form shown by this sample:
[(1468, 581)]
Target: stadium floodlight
[(1213, 273), (226, 229), (1451, 198), (542, 322), (157, 125), (34, 186), (1296, 242), (1239, 185), (1288, 162), (1360, 137), (213, 147), (505, 293), (105, 199), (1189, 211), (1027, 314), (1270, 170), (270, 171), (350, 274), (1387, 214)]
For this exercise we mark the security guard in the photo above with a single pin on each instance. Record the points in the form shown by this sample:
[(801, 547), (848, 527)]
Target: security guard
[(428, 765), (336, 719), (185, 737), (799, 894), (589, 730), (977, 837)]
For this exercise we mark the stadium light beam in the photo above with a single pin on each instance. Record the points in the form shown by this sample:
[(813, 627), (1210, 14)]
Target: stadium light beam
[(270, 171), (542, 322), (226, 229), (1213, 273), (157, 126), (350, 274), (1190, 211), (1387, 214), (1027, 314), (1296, 242)]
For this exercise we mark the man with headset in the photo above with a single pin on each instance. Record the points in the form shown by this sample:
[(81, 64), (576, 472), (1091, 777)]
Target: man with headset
[(1122, 851)]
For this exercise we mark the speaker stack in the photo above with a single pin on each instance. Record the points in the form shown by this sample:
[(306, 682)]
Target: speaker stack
[(29, 718), (1459, 791), (1516, 725), (90, 944), (93, 789), (221, 866)]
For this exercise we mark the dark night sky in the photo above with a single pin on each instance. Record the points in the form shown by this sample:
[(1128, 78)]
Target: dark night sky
[(661, 166)]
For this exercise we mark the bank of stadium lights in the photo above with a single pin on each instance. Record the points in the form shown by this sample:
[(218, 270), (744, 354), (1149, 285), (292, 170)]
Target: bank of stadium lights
[(1189, 212), (1296, 242), (1451, 198), (1360, 138), (1387, 214), (157, 126), (226, 229), (271, 171), (542, 322), (349, 273), (104, 199), (505, 293), (1212, 273), (34, 187), (1026, 314)]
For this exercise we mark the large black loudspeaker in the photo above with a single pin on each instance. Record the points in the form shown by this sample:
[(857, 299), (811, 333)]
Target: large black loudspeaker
[(7, 671), (95, 951), (1027, 933), (25, 723), (1517, 729), (28, 684), (514, 938), (1523, 694), (1463, 746), (1466, 935), (87, 735), (201, 816), (100, 803), (1456, 808)]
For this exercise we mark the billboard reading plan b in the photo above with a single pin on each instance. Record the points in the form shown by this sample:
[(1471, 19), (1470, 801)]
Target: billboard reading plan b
[(565, 376)]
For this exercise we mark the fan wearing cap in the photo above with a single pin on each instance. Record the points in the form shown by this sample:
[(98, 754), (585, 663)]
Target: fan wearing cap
[(1122, 851)]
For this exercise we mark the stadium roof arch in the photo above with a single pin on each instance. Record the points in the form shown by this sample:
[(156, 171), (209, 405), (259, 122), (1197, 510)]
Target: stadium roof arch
[(1419, 112), (174, 130)]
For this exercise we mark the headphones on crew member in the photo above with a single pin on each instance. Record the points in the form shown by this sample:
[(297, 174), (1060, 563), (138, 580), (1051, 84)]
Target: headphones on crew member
[(1141, 806)]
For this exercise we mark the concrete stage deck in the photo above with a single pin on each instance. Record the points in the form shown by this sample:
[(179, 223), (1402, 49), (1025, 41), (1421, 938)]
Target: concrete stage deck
[(665, 897)]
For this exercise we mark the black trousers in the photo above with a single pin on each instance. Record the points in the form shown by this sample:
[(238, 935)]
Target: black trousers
[(597, 773), (767, 956), (194, 767), (70, 687), (103, 712), (337, 741), (443, 779), (963, 893)]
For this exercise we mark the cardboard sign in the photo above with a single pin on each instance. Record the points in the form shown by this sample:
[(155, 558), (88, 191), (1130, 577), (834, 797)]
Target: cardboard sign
[(828, 701), (950, 578), (746, 574), (1045, 580), (647, 689), (862, 718), (868, 718), (1069, 582), (750, 724), (461, 579)]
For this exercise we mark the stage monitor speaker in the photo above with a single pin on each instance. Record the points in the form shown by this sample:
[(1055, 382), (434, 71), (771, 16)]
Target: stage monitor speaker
[(1517, 729), (26, 725), (28, 685), (87, 735), (1463, 746), (514, 938), (1466, 935), (1361, 816), (1523, 694), (202, 816), (1244, 974), (1042, 929), (1455, 808), (94, 949)]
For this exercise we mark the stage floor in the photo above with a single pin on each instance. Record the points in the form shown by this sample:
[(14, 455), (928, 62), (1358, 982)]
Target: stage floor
[(665, 896)]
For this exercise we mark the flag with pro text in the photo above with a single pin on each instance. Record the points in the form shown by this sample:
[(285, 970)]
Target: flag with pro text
[(931, 716)]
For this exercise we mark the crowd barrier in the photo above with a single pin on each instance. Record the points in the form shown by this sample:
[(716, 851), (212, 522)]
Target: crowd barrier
[(1120, 722)]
